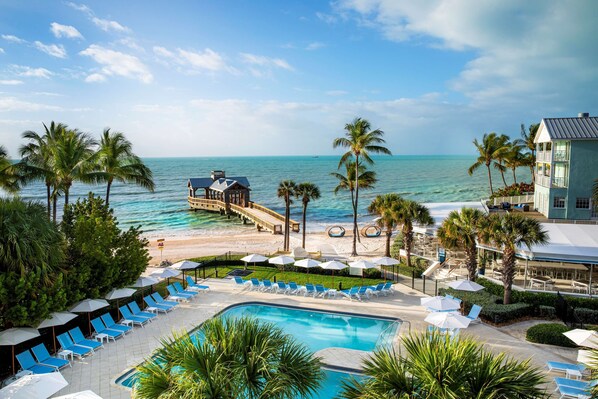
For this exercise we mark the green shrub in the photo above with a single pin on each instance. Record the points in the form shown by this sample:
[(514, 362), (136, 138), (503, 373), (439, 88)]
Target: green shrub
[(499, 314), (546, 312), (550, 334), (584, 315)]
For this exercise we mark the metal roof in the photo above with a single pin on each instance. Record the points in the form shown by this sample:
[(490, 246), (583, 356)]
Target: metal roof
[(224, 184), (205, 182), (581, 128)]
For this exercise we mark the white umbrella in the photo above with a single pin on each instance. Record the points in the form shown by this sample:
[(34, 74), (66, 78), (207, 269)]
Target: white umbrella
[(447, 320), (282, 260), (440, 303), (386, 261), (185, 265), (166, 273), (307, 263), (465, 285), (333, 265), (145, 282), (119, 293), (253, 258), (586, 338), (80, 395), (14, 336), (56, 319), (88, 306), (363, 265), (38, 386)]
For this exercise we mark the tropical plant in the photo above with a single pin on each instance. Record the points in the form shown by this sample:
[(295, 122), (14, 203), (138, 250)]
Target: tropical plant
[(116, 160), (306, 192), (515, 158), (528, 138), (234, 358), (8, 176), (490, 150), (407, 213), (508, 232), (385, 207), (502, 156), (360, 142), (460, 230), (286, 190), (441, 367)]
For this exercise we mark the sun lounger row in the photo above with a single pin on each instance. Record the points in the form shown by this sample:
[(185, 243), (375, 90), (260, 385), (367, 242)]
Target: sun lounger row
[(568, 387)]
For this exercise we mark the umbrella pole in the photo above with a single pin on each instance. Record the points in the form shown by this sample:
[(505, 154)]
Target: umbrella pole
[(89, 322), (54, 338), (13, 360)]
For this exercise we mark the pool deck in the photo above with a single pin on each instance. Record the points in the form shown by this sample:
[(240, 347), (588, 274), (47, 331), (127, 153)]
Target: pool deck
[(99, 371)]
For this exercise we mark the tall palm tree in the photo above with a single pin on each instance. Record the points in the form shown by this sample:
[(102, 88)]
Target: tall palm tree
[(514, 158), (360, 142), (509, 231), (502, 156), (407, 213), (460, 230), (306, 192), (528, 138), (117, 161), (8, 177), (235, 359), (444, 368), (385, 207), (490, 149), (286, 190)]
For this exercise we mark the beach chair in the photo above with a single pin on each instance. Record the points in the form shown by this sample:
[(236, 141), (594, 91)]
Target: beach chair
[(376, 290), (453, 298), (28, 363), (267, 285), (79, 339), (388, 288), (320, 290), (177, 296), (572, 393), (138, 312), (255, 284), (67, 344), (474, 314), (568, 382), (282, 288), (135, 320), (363, 292), (154, 307), (240, 282), (161, 301), (100, 328), (294, 288), (43, 357), (310, 290), (112, 325), (351, 293), (563, 367), (192, 285), (179, 288)]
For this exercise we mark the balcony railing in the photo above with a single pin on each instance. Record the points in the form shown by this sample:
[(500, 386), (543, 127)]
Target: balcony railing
[(543, 156), (559, 182), (560, 156), (543, 181)]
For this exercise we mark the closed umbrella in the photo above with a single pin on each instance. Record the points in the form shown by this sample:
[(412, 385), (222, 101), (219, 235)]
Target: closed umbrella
[(586, 338), (166, 273), (333, 265), (253, 258), (447, 320), (441, 303), (465, 285), (363, 265), (119, 293), (14, 336), (282, 260), (56, 319), (88, 306), (38, 386)]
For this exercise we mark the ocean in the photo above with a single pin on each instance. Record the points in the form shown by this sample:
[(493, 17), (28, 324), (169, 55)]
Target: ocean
[(166, 213)]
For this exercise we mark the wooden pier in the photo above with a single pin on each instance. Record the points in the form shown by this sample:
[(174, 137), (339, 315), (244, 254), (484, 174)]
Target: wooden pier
[(264, 218)]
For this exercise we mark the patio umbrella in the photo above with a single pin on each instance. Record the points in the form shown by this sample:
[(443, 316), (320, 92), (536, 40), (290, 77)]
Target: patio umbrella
[(80, 395), (307, 264), (333, 265), (185, 265), (39, 386), (166, 273), (363, 265), (465, 285), (440, 303), (386, 261), (282, 260), (253, 258), (14, 336), (581, 337), (143, 282), (56, 319), (447, 320), (119, 293), (88, 306)]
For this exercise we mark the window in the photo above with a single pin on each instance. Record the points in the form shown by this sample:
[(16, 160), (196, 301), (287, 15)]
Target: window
[(558, 202), (541, 147), (582, 203), (548, 146)]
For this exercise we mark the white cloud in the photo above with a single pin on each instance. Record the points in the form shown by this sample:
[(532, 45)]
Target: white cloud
[(207, 60), (131, 43), (163, 52), (66, 31), (315, 46), (2, 50), (117, 63), (264, 61), (11, 82), (30, 72), (54, 50), (336, 92), (108, 25), (13, 39), (328, 18), (12, 104), (95, 78)]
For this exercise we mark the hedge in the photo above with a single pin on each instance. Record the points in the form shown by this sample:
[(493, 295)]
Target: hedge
[(499, 314), (586, 316), (551, 334)]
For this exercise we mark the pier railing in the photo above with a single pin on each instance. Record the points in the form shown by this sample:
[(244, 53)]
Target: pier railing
[(515, 199), (274, 228), (294, 224)]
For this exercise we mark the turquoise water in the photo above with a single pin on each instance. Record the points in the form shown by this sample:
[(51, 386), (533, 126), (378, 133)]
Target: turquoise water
[(165, 212)]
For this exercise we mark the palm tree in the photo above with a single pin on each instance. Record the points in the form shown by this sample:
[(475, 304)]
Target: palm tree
[(501, 156), (514, 158), (306, 192), (235, 358), (407, 213), (528, 138), (490, 149), (444, 368), (360, 142), (385, 207), (509, 231), (286, 190), (460, 230), (118, 162), (8, 176)]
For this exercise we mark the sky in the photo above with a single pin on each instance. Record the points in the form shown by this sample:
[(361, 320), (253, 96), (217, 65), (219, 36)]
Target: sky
[(239, 78)]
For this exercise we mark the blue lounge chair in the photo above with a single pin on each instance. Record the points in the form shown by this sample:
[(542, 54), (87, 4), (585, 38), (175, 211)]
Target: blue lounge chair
[(28, 363), (112, 325), (138, 312), (179, 288), (573, 393), (161, 301), (320, 290), (563, 367), (79, 339), (282, 288), (567, 382), (136, 320), (43, 357), (351, 293), (192, 285), (453, 298), (66, 343), (294, 288), (156, 306), (100, 328), (474, 314), (255, 284), (376, 290), (267, 285), (363, 292), (388, 288), (173, 294), (240, 282), (310, 290)]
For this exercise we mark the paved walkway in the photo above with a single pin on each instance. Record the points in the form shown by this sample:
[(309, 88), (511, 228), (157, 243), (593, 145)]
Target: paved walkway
[(99, 371)]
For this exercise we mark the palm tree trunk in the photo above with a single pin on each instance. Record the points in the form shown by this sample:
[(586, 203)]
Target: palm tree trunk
[(66, 195), (354, 251), (471, 262), (388, 235), (48, 184), (514, 176), (508, 273), (531, 169), (490, 179), (408, 242), (502, 174), (287, 231), (304, 214), (54, 203), (108, 191)]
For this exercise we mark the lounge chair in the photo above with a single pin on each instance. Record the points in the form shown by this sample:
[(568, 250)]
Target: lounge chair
[(320, 290), (474, 314), (453, 298), (138, 312), (79, 339), (563, 367), (179, 288), (177, 296), (153, 306), (255, 284), (192, 285), (310, 290), (281, 287), (568, 382), (267, 285), (351, 293), (376, 290), (573, 393), (28, 363), (112, 325), (294, 288), (161, 301), (388, 289), (43, 357), (66, 343), (136, 320), (363, 292), (100, 328), (240, 282)]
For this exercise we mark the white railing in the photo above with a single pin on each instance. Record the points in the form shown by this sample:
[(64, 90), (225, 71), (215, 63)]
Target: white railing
[(561, 155), (543, 181), (559, 182), (516, 199), (543, 156)]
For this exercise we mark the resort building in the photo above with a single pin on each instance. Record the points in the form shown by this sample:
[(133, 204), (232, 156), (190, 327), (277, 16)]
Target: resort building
[(231, 190), (566, 167)]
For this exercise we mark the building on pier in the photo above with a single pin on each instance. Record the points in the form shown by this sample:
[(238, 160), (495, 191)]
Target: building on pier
[(230, 190)]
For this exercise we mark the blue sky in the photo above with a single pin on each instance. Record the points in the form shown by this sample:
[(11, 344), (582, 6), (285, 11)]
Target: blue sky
[(283, 77)]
